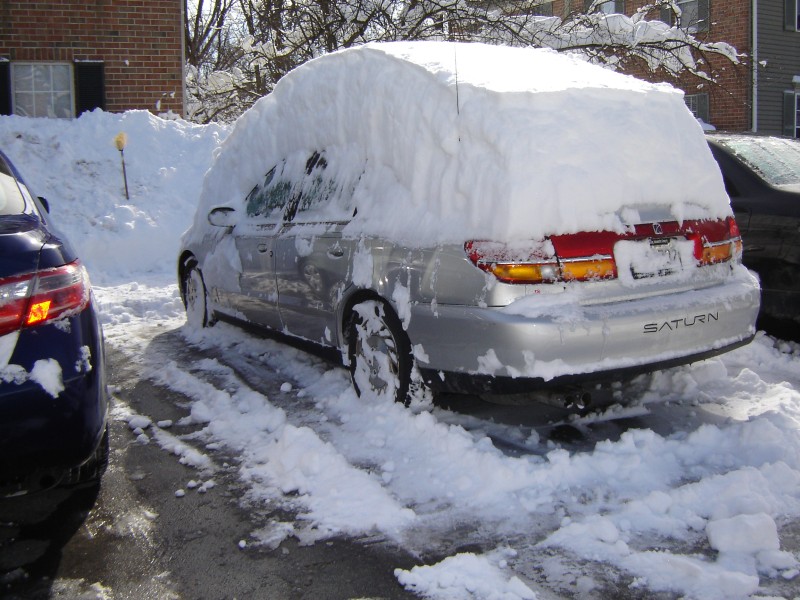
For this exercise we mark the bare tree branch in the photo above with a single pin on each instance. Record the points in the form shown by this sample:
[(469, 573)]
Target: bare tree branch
[(237, 60)]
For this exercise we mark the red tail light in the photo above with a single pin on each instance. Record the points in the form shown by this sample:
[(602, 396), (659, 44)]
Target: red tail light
[(715, 241), (37, 298), (733, 228), (538, 265), (589, 255)]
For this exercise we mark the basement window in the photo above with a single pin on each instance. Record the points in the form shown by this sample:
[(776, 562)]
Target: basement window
[(59, 90), (42, 89)]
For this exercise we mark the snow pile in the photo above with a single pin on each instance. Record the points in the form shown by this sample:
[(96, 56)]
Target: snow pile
[(698, 512), (76, 166), (467, 576), (462, 141)]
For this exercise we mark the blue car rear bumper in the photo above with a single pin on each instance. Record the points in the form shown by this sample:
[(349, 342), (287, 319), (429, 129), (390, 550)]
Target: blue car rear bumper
[(46, 433)]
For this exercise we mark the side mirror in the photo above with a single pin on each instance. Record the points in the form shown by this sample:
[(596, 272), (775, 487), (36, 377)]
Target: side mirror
[(222, 216), (45, 204)]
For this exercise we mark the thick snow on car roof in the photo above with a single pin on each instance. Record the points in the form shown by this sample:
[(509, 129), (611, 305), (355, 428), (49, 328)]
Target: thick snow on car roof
[(459, 141)]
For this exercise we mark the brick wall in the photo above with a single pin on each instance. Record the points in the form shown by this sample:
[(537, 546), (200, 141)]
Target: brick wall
[(138, 41)]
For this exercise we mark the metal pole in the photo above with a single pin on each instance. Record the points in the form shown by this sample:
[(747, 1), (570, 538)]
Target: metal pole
[(120, 142), (124, 174)]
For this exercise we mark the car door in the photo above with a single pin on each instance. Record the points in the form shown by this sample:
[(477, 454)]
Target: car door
[(255, 235), (312, 259)]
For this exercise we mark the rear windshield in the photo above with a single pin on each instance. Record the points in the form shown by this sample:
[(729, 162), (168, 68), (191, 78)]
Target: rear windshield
[(776, 160), (11, 200)]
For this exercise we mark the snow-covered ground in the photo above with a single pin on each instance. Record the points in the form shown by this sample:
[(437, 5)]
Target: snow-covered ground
[(701, 499)]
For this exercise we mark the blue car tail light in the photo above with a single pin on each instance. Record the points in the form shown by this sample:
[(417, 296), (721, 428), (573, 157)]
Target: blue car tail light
[(41, 297)]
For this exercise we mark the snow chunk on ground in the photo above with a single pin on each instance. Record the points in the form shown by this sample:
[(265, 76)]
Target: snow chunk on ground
[(744, 533), (665, 571), (466, 577)]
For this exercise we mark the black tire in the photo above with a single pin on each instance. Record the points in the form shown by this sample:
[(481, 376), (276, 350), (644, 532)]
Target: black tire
[(195, 298), (379, 353)]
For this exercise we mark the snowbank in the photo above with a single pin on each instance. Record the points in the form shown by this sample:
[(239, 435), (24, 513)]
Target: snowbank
[(464, 141), (76, 166)]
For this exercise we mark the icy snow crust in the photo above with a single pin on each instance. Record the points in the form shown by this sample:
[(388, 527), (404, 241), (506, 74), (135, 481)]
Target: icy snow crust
[(461, 141)]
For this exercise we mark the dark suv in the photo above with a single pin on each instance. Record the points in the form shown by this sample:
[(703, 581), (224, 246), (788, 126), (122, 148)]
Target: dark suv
[(762, 177)]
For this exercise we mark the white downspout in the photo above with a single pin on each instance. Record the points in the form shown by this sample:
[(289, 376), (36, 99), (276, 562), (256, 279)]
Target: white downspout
[(755, 66), (183, 59)]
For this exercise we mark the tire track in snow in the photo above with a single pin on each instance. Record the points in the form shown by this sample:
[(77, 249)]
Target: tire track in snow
[(278, 458), (634, 474)]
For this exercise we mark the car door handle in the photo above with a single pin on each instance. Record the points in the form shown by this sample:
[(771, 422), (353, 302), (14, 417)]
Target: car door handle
[(335, 252), (263, 248)]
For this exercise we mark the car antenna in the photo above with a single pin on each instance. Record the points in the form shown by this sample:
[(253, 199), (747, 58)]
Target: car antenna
[(455, 64)]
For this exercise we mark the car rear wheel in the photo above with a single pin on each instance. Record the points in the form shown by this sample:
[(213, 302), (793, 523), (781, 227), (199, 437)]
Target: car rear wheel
[(379, 353), (196, 299)]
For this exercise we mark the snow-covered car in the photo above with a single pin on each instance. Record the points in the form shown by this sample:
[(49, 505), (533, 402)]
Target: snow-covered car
[(53, 401), (471, 217), (762, 177)]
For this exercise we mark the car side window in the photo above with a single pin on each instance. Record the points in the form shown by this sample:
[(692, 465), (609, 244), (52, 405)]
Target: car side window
[(326, 193), (270, 198), (11, 199), (305, 188), (317, 189)]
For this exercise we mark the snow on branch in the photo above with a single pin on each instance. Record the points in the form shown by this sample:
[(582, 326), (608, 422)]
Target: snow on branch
[(615, 39), (257, 41)]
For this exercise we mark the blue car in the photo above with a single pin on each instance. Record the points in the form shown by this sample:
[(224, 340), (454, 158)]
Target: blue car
[(53, 400)]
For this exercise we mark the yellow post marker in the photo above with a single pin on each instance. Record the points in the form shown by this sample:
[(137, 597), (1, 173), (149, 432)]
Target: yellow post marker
[(120, 142)]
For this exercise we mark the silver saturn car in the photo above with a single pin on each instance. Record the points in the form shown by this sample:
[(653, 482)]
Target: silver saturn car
[(465, 217)]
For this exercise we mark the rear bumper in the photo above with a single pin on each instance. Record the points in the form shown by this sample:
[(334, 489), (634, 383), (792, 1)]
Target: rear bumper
[(44, 434), (563, 342), (442, 381)]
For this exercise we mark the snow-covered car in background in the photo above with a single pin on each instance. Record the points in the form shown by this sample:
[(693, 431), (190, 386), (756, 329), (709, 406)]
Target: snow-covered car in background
[(473, 217), (762, 177), (53, 401)]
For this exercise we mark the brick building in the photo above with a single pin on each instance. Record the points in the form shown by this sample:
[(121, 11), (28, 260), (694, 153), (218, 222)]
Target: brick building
[(63, 57), (763, 92)]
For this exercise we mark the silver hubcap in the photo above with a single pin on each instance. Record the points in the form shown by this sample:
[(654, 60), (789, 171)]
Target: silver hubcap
[(376, 363), (195, 300)]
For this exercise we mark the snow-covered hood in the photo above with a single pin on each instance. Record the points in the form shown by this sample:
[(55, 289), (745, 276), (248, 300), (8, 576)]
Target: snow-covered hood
[(462, 141)]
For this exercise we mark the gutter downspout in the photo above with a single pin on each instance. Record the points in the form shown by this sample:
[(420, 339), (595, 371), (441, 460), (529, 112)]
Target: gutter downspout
[(754, 21), (183, 58)]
